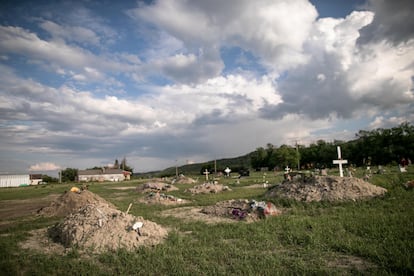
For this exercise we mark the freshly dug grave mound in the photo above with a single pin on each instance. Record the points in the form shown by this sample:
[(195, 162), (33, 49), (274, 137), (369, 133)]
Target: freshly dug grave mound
[(207, 188), (70, 202), (100, 228), (242, 209), (326, 188), (160, 198), (184, 180), (154, 186)]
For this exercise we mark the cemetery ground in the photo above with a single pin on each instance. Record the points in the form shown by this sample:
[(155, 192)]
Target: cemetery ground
[(373, 236)]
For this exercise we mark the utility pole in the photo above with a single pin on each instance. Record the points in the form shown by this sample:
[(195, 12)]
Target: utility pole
[(176, 169), (297, 153), (215, 167)]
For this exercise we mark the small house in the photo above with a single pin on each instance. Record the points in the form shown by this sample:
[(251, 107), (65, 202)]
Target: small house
[(35, 179), (104, 174)]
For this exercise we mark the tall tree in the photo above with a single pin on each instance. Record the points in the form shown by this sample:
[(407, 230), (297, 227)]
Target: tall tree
[(69, 174), (286, 156), (124, 166)]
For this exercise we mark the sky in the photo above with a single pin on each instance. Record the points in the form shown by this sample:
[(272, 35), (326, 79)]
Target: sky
[(170, 82)]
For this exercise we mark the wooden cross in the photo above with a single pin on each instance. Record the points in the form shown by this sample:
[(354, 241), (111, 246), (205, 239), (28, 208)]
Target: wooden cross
[(340, 161), (206, 172)]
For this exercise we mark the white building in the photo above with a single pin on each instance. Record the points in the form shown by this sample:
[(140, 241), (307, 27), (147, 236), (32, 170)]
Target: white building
[(103, 175), (14, 180)]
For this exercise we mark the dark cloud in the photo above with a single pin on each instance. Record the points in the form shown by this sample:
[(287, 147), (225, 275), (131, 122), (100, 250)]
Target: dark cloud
[(393, 21), (193, 69), (303, 94)]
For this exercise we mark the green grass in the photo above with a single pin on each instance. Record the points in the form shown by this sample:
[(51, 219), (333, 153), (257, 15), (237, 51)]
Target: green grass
[(374, 237)]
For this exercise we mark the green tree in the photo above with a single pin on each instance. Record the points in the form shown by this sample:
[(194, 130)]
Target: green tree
[(258, 158), (69, 174), (49, 179), (286, 156), (124, 166)]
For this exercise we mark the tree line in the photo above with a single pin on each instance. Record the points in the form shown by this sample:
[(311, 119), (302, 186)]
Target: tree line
[(376, 147)]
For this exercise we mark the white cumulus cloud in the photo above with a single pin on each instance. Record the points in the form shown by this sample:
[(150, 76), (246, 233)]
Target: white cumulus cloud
[(46, 166)]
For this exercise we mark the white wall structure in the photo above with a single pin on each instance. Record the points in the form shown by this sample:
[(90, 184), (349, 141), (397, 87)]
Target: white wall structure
[(101, 175), (14, 180)]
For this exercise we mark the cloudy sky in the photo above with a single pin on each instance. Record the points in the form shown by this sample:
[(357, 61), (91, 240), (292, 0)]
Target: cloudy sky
[(168, 82)]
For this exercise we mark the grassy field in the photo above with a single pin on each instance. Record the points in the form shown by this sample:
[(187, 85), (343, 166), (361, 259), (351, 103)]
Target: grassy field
[(374, 237)]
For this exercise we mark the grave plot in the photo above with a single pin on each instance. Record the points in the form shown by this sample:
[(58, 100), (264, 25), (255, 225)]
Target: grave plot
[(161, 198), (207, 188), (184, 180), (100, 228), (96, 225), (70, 202), (230, 211), (242, 209), (326, 188), (156, 186)]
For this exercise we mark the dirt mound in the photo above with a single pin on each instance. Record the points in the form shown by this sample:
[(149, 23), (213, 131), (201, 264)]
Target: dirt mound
[(207, 188), (242, 209), (99, 228), (326, 188), (70, 202), (185, 180), (154, 186), (160, 198)]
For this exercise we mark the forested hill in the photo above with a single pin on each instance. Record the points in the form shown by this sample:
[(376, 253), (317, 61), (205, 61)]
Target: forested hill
[(236, 163), (376, 147)]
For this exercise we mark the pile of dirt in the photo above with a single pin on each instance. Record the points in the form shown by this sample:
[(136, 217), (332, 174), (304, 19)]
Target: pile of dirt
[(184, 180), (242, 209), (161, 198), (70, 202), (207, 188), (326, 188), (99, 228), (155, 186)]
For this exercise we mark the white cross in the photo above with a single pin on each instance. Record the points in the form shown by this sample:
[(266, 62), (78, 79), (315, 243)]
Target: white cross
[(287, 169), (340, 162), (227, 171), (206, 172)]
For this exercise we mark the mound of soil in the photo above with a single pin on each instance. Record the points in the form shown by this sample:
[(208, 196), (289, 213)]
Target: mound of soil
[(242, 209), (207, 188), (70, 202), (185, 180), (326, 188), (160, 198), (99, 228), (154, 186)]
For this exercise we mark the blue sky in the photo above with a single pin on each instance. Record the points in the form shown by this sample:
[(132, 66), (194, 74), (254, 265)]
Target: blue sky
[(167, 82)]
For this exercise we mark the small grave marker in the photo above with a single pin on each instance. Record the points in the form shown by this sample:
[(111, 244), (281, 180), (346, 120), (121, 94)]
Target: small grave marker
[(227, 171), (206, 172), (340, 161)]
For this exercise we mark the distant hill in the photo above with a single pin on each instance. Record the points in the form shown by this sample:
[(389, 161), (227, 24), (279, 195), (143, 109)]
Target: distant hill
[(235, 164), (375, 147)]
